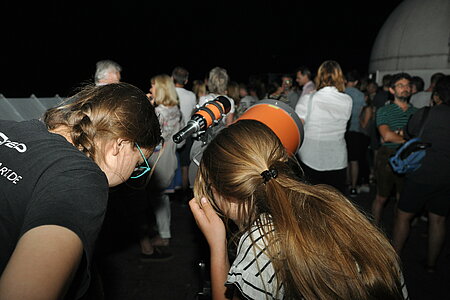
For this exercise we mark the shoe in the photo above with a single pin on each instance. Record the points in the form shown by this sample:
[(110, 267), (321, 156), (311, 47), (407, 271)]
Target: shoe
[(364, 189), (353, 192), (157, 255), (424, 218), (430, 269), (158, 241)]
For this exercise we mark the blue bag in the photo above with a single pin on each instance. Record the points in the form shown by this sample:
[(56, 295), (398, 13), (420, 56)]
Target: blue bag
[(409, 156)]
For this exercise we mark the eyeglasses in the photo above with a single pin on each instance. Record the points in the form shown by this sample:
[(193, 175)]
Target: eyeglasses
[(402, 86), (141, 170)]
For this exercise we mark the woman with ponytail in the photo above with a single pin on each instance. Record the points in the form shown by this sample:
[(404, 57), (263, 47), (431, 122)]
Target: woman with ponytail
[(54, 179), (295, 240)]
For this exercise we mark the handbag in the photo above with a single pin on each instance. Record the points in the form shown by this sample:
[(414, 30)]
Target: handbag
[(409, 156), (164, 163)]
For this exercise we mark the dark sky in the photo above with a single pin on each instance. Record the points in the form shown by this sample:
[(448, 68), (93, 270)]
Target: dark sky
[(50, 47)]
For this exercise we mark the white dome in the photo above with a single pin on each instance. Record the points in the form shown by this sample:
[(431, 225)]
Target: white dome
[(415, 39)]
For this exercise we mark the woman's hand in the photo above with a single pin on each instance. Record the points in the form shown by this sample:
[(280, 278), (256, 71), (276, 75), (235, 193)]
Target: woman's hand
[(214, 231), (209, 223)]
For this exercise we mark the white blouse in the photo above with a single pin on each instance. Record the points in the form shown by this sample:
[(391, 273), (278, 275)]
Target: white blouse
[(326, 117)]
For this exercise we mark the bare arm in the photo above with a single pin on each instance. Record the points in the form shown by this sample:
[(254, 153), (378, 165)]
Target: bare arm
[(368, 112), (42, 264), (214, 231), (390, 136), (219, 271)]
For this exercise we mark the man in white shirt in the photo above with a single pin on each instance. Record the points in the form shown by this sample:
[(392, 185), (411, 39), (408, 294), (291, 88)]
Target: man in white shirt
[(304, 80), (186, 98), (187, 102)]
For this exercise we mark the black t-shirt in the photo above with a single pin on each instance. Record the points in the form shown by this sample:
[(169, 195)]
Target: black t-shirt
[(44, 180), (435, 168), (380, 99)]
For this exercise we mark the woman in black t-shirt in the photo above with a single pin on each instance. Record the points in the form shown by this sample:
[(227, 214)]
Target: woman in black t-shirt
[(54, 179)]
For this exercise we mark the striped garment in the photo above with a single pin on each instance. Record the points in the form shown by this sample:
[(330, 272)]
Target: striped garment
[(393, 116), (404, 289), (252, 272)]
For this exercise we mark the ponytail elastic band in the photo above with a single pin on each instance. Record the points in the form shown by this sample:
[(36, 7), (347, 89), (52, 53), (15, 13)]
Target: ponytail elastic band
[(269, 174)]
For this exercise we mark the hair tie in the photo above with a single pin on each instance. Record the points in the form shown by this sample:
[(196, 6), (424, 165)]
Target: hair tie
[(269, 174)]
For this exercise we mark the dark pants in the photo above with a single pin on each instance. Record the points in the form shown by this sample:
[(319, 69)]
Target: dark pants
[(386, 178), (335, 178)]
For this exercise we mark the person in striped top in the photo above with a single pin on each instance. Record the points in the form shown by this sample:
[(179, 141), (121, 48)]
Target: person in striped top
[(390, 120), (294, 240)]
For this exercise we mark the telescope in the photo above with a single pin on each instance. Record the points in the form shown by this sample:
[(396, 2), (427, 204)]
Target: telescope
[(281, 118), (276, 115), (206, 116)]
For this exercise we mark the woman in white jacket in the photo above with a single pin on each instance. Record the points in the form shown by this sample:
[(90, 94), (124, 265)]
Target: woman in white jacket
[(325, 114)]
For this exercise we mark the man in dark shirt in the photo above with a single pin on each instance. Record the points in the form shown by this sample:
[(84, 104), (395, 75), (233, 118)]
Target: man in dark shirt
[(429, 185), (382, 95)]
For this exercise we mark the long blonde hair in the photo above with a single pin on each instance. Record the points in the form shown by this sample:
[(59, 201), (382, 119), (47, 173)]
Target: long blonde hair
[(199, 88), (322, 246), (165, 93), (330, 74)]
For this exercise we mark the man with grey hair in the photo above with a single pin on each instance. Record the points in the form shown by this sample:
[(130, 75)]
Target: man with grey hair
[(107, 72)]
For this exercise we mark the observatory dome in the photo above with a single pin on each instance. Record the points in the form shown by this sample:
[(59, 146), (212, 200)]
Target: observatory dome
[(415, 39)]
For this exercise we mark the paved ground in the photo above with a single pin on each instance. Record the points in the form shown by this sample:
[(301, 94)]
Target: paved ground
[(125, 277)]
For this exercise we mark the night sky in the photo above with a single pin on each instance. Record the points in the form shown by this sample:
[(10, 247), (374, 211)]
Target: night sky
[(51, 47)]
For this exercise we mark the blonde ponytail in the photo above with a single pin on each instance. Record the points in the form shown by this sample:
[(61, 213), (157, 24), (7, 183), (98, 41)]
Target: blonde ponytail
[(322, 247)]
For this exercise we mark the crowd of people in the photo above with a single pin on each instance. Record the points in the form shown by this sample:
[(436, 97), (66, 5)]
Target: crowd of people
[(297, 234)]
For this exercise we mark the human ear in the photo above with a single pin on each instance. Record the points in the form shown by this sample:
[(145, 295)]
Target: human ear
[(118, 145), (392, 91)]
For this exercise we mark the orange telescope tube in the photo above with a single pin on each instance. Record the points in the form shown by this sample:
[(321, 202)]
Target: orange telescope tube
[(281, 118), (214, 110)]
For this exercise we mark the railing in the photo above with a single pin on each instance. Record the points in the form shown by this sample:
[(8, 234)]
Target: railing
[(21, 109)]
